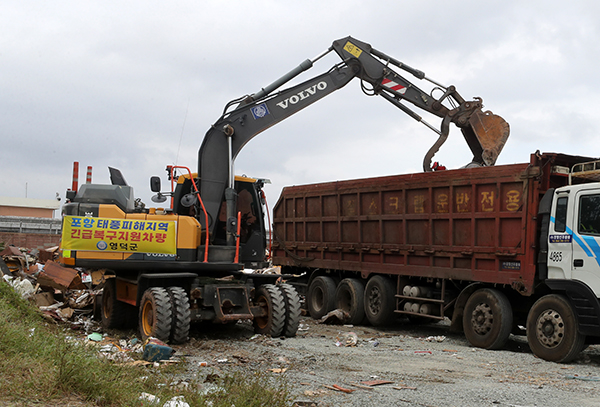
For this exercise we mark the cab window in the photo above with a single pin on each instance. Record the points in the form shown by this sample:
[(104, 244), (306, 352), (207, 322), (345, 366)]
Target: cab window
[(560, 216), (589, 215)]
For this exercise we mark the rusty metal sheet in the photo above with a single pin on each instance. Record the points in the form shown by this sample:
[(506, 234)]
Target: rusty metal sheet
[(57, 276)]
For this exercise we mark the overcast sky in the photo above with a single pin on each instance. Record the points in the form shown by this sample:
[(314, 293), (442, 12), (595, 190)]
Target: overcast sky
[(136, 84)]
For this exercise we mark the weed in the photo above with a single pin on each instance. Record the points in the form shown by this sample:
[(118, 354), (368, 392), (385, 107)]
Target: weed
[(41, 365)]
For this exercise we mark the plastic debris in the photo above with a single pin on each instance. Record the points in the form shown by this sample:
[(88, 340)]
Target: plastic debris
[(96, 337), (440, 338), (155, 350), (177, 401), (348, 339), (151, 398)]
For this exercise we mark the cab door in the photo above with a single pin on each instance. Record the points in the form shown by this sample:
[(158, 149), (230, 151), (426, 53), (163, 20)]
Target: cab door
[(560, 237), (586, 238)]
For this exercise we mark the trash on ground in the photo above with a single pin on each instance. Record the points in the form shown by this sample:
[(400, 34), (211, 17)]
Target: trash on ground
[(440, 338), (360, 386), (177, 401), (338, 388), (96, 337), (404, 388), (156, 350), (376, 382), (151, 398), (348, 339), (59, 277), (585, 378), (335, 317)]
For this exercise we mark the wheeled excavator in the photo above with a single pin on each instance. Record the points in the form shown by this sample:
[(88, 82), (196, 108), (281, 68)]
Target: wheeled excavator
[(166, 268)]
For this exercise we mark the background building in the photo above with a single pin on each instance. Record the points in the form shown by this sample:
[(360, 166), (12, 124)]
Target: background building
[(29, 223)]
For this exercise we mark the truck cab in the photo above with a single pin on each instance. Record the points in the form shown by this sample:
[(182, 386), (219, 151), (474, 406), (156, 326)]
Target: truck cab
[(574, 232)]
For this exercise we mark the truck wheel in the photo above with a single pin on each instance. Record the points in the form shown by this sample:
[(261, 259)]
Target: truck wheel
[(552, 329), (113, 315), (379, 300), (321, 296), (270, 299), (487, 319), (155, 314), (292, 309), (350, 297), (180, 310)]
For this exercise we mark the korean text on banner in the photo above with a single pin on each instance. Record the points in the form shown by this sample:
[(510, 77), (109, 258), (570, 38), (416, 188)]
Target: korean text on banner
[(119, 235)]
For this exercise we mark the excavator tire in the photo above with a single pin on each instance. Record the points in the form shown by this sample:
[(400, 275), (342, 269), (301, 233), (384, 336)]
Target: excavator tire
[(270, 299), (180, 311), (155, 314), (292, 309), (115, 314)]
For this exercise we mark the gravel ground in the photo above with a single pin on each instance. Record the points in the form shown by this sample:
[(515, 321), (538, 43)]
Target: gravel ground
[(427, 365)]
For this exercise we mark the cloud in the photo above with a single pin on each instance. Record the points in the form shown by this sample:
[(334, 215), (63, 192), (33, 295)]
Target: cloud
[(136, 85)]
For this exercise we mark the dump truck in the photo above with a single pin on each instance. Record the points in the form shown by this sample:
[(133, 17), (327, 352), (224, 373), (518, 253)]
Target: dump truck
[(494, 249), (184, 261)]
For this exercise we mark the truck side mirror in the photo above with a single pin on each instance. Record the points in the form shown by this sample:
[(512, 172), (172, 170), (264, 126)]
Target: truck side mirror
[(155, 184)]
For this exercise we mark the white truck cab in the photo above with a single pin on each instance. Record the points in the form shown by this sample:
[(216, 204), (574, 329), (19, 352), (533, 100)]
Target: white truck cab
[(574, 234)]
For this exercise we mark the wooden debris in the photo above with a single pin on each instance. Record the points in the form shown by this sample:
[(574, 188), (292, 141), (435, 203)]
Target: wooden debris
[(340, 388), (337, 388), (376, 382), (360, 386)]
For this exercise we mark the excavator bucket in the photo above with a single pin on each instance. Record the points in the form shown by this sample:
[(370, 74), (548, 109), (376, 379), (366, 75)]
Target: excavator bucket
[(486, 135)]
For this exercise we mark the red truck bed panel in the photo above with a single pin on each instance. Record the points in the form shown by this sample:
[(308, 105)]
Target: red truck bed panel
[(469, 224)]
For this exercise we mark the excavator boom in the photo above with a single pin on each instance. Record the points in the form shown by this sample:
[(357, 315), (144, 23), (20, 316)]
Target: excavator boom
[(248, 116)]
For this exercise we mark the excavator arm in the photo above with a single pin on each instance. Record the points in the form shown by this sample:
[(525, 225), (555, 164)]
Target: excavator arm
[(248, 116), (484, 132)]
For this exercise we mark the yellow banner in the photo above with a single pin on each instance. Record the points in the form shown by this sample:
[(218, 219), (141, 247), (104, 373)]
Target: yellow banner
[(119, 235)]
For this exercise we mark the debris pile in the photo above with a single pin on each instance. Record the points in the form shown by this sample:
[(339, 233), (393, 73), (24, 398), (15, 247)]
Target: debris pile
[(62, 294)]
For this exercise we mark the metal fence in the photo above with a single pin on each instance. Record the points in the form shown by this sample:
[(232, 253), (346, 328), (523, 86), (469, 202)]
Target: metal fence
[(19, 224)]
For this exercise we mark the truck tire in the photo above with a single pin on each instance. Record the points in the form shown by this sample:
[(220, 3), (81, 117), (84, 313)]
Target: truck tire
[(115, 313), (487, 319), (270, 299), (552, 330), (155, 314), (292, 310), (350, 297), (379, 300), (180, 311), (320, 298)]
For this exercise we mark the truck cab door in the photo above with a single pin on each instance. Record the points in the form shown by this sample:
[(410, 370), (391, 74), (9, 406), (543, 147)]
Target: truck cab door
[(586, 238), (560, 238)]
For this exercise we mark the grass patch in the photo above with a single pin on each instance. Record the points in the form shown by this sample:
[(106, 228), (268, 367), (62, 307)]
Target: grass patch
[(41, 366)]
